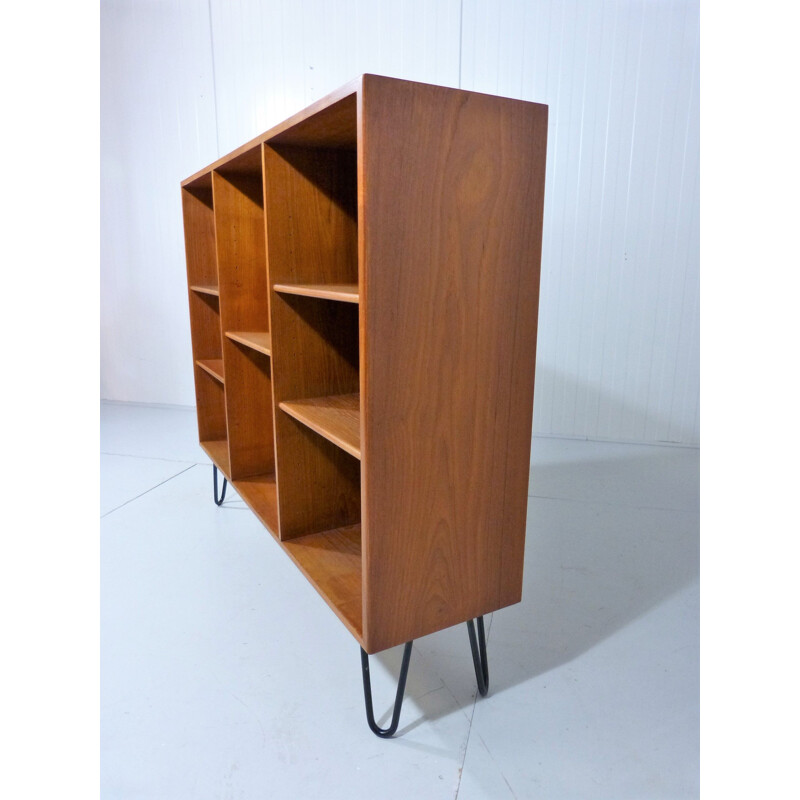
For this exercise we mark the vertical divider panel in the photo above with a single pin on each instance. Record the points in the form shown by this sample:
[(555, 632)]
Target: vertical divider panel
[(311, 211), (241, 256)]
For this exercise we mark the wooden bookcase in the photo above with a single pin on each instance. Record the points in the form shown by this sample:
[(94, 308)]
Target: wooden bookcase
[(363, 294)]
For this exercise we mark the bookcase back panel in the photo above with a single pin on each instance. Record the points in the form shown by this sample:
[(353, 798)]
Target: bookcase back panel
[(205, 321), (315, 354), (210, 406), (204, 311), (333, 127), (242, 264), (241, 251), (248, 384), (319, 484), (198, 224), (312, 214)]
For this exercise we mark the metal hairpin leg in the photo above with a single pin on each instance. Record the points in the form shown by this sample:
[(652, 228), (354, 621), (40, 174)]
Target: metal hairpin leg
[(219, 501), (479, 655), (398, 700), (477, 645)]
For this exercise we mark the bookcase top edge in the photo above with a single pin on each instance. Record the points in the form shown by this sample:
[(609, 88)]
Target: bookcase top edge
[(369, 77), (331, 99), (316, 107)]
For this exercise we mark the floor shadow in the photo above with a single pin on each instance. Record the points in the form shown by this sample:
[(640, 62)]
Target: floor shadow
[(612, 532), (592, 566)]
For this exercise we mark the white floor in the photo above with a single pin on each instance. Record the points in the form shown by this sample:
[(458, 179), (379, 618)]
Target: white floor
[(224, 675)]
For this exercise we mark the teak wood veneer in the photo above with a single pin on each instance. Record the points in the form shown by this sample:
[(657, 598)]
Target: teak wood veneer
[(363, 294)]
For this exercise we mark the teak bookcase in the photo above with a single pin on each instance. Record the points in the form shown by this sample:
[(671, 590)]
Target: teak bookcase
[(363, 293)]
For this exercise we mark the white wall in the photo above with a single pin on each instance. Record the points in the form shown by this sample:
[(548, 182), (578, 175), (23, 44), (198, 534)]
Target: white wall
[(158, 124), (186, 81)]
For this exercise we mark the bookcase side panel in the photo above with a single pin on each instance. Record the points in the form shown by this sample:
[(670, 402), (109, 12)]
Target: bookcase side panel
[(451, 200)]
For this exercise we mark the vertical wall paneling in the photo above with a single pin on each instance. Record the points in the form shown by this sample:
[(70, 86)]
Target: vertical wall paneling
[(274, 57), (185, 82), (618, 336), (157, 123)]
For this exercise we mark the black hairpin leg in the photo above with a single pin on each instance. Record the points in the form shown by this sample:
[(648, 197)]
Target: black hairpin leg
[(219, 501), (479, 655), (398, 700), (477, 645)]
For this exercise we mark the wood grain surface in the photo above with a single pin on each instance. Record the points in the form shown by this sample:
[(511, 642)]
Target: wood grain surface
[(331, 119), (452, 187), (242, 269), (210, 393), (311, 212), (241, 251), (198, 228), (248, 390), (204, 317), (258, 340), (214, 367), (260, 493), (212, 290), (333, 126), (331, 560), (344, 292), (378, 285), (217, 451), (336, 418)]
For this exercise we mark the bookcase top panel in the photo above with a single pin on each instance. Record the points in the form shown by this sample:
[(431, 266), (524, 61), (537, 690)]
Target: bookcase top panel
[(325, 123), (330, 122)]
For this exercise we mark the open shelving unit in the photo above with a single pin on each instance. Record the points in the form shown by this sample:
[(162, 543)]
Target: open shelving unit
[(363, 292)]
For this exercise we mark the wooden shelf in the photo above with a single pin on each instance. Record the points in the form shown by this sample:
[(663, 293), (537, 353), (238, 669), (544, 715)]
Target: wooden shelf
[(212, 290), (260, 493), (332, 563), (344, 292), (217, 451), (213, 366), (337, 418), (258, 340)]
